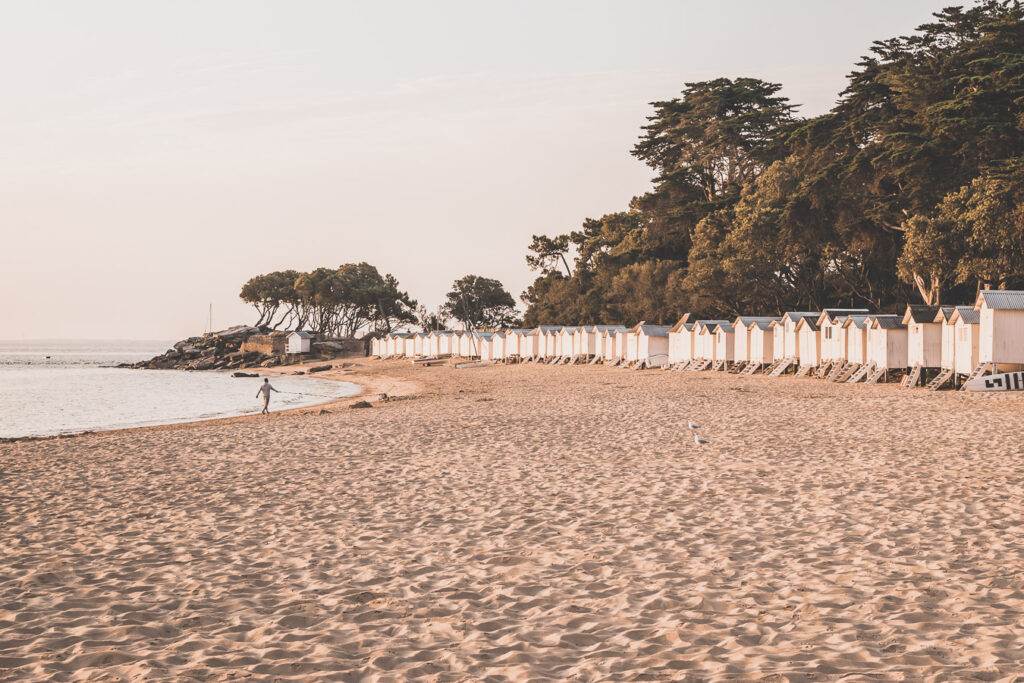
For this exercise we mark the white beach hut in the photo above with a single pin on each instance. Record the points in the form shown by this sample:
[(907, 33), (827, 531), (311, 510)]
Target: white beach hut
[(887, 343), (375, 346), (834, 334), (725, 344), (966, 324), (945, 318), (808, 342), (704, 339), (410, 345), (743, 327), (924, 336), (621, 343), (1001, 331), (680, 341), (856, 329), (761, 338), (651, 344), (565, 339), (493, 347), (788, 323), (420, 345)]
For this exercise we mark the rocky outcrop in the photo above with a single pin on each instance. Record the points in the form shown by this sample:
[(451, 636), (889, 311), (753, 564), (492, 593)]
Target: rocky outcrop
[(216, 351)]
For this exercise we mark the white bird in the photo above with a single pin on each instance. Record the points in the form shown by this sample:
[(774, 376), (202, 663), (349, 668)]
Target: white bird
[(699, 441), (693, 426)]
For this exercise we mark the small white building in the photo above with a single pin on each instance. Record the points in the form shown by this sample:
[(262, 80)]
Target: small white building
[(1001, 331), (945, 318), (808, 341), (966, 325), (786, 334), (621, 344), (725, 342), (761, 338), (833, 333), (743, 327), (591, 339), (855, 328), (410, 345), (680, 341), (565, 339), (421, 344), (493, 348), (651, 343), (375, 346), (924, 336), (887, 342), (704, 338)]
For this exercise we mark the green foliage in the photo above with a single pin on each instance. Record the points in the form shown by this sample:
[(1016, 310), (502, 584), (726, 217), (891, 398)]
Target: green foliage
[(912, 182), (480, 303), (334, 302)]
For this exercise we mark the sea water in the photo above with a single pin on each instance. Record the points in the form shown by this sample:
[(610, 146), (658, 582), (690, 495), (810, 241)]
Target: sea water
[(65, 387)]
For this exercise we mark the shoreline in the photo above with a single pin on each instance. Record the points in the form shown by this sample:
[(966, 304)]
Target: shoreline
[(365, 384)]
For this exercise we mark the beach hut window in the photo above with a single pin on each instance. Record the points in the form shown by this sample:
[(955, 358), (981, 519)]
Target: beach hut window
[(828, 333)]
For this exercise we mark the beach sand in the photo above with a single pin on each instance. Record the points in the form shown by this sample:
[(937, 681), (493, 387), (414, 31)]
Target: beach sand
[(528, 524)]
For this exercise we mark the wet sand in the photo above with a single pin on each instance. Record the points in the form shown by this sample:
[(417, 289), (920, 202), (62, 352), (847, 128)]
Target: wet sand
[(528, 523)]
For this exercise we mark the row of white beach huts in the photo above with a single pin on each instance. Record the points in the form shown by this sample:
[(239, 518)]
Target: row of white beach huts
[(927, 345)]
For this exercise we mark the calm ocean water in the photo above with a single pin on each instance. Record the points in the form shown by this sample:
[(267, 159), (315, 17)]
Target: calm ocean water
[(64, 387)]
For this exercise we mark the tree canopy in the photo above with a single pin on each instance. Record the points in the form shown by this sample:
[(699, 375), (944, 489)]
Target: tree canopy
[(339, 302), (479, 303), (909, 187)]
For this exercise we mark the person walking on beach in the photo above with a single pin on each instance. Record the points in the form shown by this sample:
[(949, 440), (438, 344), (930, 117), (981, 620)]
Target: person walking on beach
[(265, 389)]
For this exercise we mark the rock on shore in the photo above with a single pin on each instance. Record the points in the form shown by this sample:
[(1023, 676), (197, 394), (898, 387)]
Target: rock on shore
[(215, 351)]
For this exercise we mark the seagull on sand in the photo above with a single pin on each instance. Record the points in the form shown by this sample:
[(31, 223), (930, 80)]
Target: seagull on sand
[(699, 441), (692, 426)]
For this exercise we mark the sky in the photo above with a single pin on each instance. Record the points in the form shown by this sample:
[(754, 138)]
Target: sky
[(156, 155)]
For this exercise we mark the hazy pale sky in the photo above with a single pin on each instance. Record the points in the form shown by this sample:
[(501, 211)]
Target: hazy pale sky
[(155, 155)]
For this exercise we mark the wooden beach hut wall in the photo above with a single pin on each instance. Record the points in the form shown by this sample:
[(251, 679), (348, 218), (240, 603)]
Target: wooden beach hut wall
[(790, 347), (375, 346), (779, 340), (528, 344), (725, 343), (446, 343), (651, 344), (680, 341), (608, 344), (410, 345), (833, 333), (856, 332), (493, 347), (945, 318), (633, 343), (1001, 329), (887, 342), (808, 342), (966, 324), (924, 336), (621, 341), (742, 327), (388, 345), (761, 338), (565, 338), (419, 340), (704, 338)]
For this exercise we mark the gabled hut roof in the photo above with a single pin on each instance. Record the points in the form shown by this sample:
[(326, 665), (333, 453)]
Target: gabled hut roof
[(858, 321), (944, 314), (302, 334), (441, 333), (836, 315), (1001, 300), (808, 322), (707, 324), (796, 316), (887, 322), (652, 330), (748, 320), (725, 327), (683, 324), (920, 314), (763, 324), (544, 329), (602, 328), (969, 315)]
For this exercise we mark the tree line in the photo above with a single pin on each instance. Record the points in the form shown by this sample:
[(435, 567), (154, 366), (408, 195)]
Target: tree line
[(912, 186), (355, 300)]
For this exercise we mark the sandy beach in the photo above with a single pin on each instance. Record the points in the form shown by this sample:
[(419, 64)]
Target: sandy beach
[(528, 523)]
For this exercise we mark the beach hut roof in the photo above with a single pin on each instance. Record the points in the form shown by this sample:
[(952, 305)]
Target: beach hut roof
[(543, 329), (601, 328), (944, 314), (652, 330), (725, 327), (858, 321), (837, 314), (887, 322), (748, 320), (1001, 300), (920, 314), (683, 324), (968, 314), (710, 324), (301, 334), (807, 321), (763, 324), (796, 316)]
